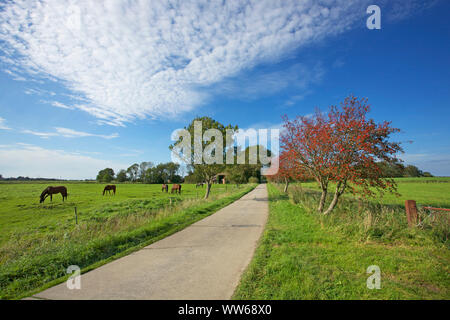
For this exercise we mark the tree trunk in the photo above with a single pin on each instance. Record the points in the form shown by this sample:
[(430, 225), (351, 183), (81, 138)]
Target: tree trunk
[(208, 189), (339, 191), (333, 202), (286, 185), (323, 197)]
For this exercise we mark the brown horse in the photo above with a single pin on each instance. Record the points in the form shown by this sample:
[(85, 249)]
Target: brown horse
[(50, 191), (176, 188), (200, 184), (110, 187), (165, 187)]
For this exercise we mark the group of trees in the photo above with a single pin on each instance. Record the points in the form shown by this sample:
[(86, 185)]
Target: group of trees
[(342, 147), (145, 172), (397, 170), (200, 170), (236, 174)]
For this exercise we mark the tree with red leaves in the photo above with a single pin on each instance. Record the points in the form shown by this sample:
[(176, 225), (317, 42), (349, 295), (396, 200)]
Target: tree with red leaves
[(287, 170), (342, 146)]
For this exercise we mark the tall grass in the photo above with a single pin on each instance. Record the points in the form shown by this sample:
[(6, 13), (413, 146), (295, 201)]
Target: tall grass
[(366, 220)]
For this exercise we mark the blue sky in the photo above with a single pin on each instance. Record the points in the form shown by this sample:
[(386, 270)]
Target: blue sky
[(86, 85)]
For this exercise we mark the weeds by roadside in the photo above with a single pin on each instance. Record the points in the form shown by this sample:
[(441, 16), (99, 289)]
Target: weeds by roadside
[(302, 255)]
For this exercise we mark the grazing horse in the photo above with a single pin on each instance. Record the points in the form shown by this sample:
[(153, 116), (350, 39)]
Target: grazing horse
[(110, 187), (200, 184), (176, 188), (50, 191), (165, 187)]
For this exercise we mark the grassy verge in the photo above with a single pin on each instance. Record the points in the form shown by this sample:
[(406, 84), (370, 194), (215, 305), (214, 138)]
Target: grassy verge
[(302, 256), (93, 243), (426, 191)]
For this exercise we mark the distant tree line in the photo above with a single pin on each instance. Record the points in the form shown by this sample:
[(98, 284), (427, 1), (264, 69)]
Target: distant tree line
[(145, 172), (21, 178), (398, 170)]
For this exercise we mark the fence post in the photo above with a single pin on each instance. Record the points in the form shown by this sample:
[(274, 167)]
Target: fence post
[(411, 212), (76, 216)]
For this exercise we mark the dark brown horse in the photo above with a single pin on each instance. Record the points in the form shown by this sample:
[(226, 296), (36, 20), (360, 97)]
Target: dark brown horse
[(165, 187), (50, 191), (176, 188), (110, 187)]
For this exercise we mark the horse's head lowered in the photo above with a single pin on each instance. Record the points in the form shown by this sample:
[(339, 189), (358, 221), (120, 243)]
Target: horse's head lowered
[(43, 194)]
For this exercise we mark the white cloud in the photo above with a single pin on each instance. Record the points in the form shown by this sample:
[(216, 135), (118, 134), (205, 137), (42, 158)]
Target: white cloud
[(296, 98), (15, 76), (60, 105), (136, 59), (44, 135), (69, 133), (33, 161), (39, 92), (3, 126)]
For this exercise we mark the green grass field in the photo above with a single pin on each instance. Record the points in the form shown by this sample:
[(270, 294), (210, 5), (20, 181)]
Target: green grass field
[(426, 191), (303, 255), (38, 241)]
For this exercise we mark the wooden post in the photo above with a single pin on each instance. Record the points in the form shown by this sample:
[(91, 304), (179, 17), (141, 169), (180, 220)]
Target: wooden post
[(411, 212), (76, 216)]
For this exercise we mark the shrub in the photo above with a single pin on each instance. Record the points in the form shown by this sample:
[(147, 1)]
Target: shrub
[(253, 180)]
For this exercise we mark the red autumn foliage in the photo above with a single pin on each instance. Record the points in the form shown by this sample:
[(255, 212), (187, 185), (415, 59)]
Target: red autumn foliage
[(342, 146), (288, 170)]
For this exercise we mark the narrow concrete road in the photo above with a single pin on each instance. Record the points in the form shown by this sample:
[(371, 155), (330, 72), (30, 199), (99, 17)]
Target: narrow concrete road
[(203, 261)]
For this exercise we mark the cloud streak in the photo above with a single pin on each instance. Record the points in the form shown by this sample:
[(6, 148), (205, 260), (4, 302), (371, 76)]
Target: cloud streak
[(69, 133), (3, 126), (137, 59)]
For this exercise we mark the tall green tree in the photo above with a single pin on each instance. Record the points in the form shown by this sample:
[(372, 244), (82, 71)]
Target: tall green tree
[(122, 176), (163, 173), (105, 175), (143, 167), (133, 171), (204, 170), (240, 173), (412, 171)]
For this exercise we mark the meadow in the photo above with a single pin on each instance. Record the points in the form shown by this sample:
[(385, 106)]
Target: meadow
[(433, 191), (306, 255), (38, 241)]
